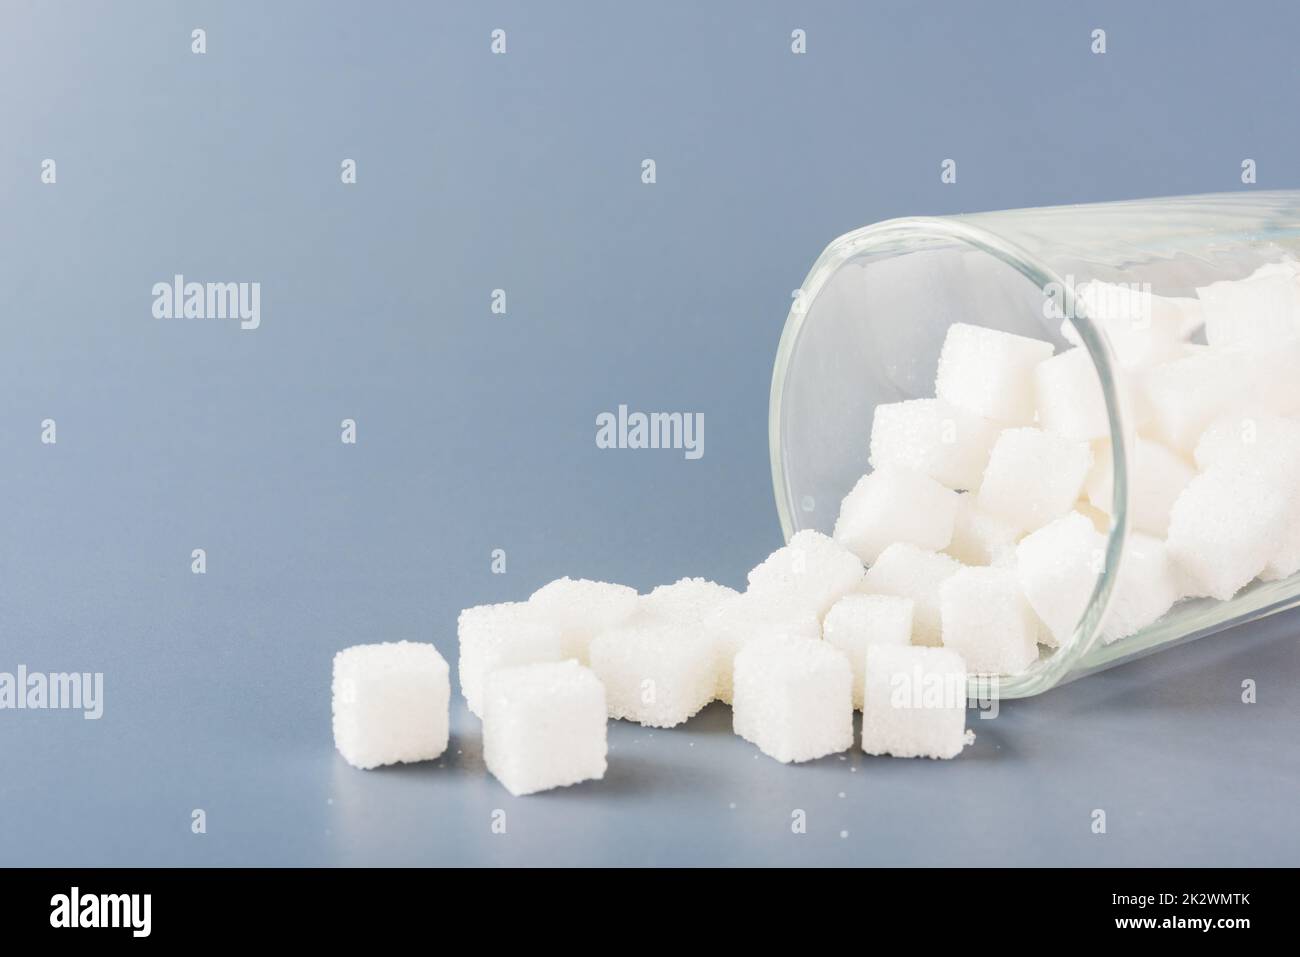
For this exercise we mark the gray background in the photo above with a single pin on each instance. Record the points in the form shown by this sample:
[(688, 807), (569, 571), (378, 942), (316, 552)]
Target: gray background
[(476, 431)]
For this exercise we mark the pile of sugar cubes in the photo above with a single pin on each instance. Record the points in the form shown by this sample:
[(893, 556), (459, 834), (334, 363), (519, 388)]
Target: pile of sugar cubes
[(974, 543)]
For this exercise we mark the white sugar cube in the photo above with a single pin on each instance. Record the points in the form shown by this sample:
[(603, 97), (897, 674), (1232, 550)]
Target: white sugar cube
[(1148, 586), (750, 617), (391, 703), (581, 609), (794, 698), (1274, 386), (655, 672), (1187, 394), (1156, 477), (1227, 525), (544, 726), (914, 573), (1142, 328), (989, 372), (1033, 477), (1286, 559), (856, 621), (1058, 567), (980, 537), (914, 705), (811, 570), (987, 620), (1069, 397), (895, 504), (1264, 307), (933, 437), (1268, 440), (688, 601), (499, 636)]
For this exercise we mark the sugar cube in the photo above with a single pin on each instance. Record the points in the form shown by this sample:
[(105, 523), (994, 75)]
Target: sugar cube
[(1142, 328), (1185, 395), (1286, 559), (544, 726), (1147, 587), (1269, 440), (581, 609), (688, 601), (1156, 477), (911, 572), (989, 372), (1274, 385), (980, 537), (1069, 397), (987, 621), (1263, 307), (655, 672), (895, 504), (933, 437), (498, 636), (914, 705), (1227, 525), (1058, 567), (750, 617), (1033, 477), (856, 621), (811, 570), (391, 703), (794, 698)]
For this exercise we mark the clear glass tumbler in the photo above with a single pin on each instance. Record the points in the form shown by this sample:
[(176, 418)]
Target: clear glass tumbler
[(867, 326)]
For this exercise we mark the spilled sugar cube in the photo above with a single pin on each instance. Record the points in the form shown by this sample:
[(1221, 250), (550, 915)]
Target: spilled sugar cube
[(544, 726), (390, 703), (581, 609), (750, 617), (499, 636), (794, 698), (655, 672), (914, 703), (858, 621), (915, 573), (688, 601), (895, 504), (811, 570)]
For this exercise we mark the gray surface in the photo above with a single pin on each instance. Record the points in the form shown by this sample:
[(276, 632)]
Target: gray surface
[(476, 431)]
